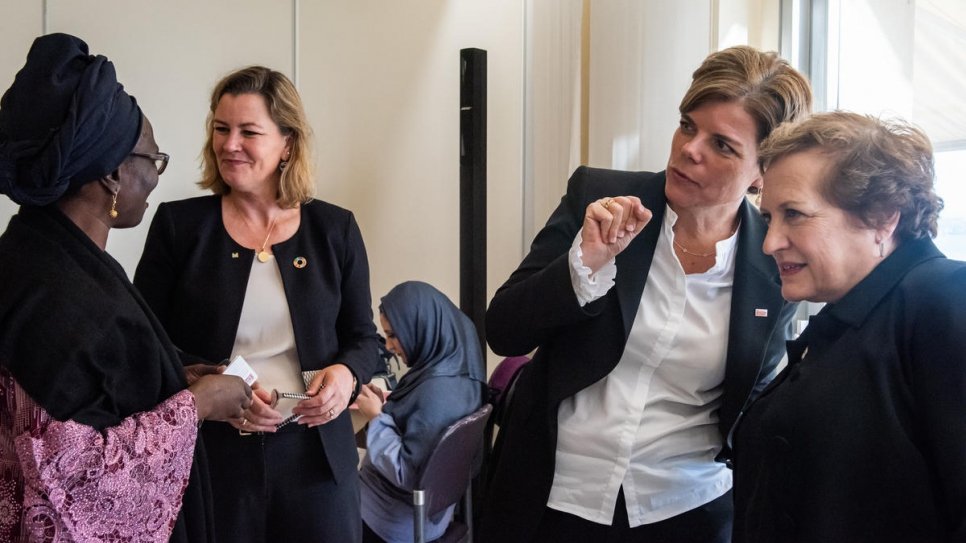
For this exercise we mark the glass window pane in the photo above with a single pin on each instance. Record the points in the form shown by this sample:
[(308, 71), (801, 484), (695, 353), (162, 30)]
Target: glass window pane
[(902, 58), (950, 167)]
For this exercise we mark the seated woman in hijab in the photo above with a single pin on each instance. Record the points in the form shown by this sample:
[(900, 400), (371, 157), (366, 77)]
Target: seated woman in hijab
[(98, 419), (445, 382)]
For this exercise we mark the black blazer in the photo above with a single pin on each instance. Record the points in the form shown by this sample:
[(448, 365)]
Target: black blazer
[(863, 439), (194, 277), (577, 346)]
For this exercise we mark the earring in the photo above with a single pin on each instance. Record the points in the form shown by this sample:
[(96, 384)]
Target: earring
[(757, 192), (282, 165), (113, 212)]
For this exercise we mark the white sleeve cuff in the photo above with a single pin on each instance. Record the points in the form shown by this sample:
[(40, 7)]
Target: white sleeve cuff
[(589, 286)]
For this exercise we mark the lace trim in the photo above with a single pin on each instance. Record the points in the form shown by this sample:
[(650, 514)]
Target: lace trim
[(123, 484)]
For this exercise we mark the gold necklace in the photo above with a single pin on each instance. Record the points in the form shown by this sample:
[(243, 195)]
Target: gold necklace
[(701, 255), (684, 249), (262, 254)]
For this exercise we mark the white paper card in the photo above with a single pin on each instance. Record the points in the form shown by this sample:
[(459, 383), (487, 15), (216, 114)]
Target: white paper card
[(241, 369)]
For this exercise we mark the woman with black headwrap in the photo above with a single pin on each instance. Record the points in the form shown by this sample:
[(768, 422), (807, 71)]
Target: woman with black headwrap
[(98, 419), (445, 382)]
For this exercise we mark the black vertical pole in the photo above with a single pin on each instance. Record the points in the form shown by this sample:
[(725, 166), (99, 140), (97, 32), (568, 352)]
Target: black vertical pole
[(473, 187)]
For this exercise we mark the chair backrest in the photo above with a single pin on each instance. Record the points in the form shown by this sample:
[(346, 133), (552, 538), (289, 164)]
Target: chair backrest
[(503, 375), (453, 462)]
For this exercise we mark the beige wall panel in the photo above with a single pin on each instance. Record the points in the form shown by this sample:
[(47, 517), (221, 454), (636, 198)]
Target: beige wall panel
[(169, 55), (381, 83), (20, 23)]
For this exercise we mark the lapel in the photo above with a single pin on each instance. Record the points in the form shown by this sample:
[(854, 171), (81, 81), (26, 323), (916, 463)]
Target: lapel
[(634, 262), (226, 274), (756, 303), (756, 309)]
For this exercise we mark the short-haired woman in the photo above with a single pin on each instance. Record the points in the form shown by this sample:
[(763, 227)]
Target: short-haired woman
[(655, 317), (863, 436)]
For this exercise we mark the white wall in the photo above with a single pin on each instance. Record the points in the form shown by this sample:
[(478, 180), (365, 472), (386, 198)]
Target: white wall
[(18, 27), (383, 78)]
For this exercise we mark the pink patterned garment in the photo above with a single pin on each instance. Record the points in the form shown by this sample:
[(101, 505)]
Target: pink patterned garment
[(66, 482)]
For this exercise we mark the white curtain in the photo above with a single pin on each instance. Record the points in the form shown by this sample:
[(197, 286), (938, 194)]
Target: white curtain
[(552, 122), (642, 55)]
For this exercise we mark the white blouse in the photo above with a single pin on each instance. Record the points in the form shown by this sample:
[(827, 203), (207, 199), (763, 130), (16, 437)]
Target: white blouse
[(265, 337), (651, 425)]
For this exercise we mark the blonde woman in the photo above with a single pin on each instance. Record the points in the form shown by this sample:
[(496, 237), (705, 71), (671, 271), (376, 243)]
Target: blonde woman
[(262, 270)]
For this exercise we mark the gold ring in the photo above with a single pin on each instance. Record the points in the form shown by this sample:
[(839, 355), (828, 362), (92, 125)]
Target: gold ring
[(331, 413), (244, 421), (606, 203)]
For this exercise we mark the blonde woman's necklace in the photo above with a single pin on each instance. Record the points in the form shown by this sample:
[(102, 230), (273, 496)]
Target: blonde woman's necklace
[(262, 254)]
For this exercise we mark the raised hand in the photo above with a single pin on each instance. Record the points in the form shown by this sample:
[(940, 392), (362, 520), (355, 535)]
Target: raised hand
[(610, 224), (369, 402)]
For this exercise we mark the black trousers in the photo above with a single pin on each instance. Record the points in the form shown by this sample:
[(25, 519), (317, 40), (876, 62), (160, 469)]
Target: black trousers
[(709, 523), (279, 487), (368, 536)]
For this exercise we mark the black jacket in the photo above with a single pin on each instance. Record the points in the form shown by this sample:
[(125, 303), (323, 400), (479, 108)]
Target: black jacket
[(83, 344), (194, 276), (864, 439)]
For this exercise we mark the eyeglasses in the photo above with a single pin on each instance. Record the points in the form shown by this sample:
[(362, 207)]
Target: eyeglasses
[(160, 159)]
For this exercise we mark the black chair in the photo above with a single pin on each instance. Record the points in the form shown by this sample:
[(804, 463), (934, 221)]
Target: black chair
[(447, 476)]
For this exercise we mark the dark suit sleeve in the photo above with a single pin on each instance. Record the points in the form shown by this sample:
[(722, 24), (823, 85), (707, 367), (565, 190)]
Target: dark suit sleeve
[(539, 297), (937, 363), (358, 343)]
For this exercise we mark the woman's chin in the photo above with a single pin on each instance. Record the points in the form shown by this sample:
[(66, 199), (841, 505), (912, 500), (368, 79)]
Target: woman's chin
[(792, 294)]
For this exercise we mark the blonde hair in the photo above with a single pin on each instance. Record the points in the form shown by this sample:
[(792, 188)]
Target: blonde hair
[(768, 88), (877, 168), (296, 184)]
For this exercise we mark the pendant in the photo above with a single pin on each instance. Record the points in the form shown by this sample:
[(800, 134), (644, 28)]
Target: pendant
[(262, 256)]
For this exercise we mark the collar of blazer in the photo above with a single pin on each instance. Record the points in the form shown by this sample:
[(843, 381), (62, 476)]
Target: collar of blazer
[(756, 296)]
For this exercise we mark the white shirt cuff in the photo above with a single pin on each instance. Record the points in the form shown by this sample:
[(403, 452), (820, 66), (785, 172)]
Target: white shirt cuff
[(589, 286)]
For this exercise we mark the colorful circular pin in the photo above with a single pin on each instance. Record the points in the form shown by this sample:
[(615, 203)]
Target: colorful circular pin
[(300, 262)]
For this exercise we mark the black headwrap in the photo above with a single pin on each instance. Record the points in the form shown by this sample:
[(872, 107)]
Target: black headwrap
[(65, 121)]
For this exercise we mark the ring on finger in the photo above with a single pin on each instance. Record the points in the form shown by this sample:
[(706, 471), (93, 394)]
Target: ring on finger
[(244, 421), (606, 203), (331, 413)]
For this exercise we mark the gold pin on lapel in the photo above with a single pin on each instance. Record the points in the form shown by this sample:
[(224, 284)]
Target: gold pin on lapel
[(234, 254), (300, 262)]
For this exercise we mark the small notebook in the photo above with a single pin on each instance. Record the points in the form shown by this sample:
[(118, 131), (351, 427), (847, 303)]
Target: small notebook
[(307, 377)]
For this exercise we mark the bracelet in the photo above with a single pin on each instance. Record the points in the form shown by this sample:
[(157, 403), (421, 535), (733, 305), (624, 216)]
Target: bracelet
[(356, 388)]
